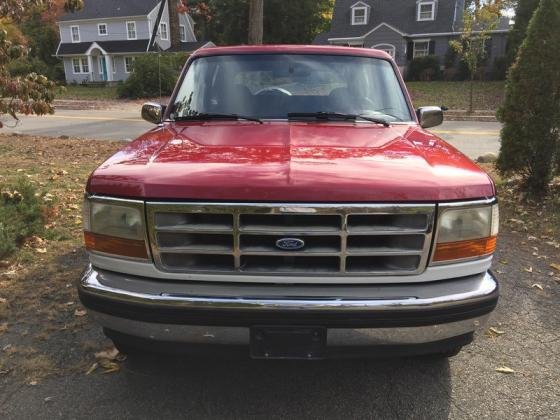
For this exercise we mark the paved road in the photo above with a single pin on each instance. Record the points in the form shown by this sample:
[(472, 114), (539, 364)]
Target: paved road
[(464, 387), (472, 138)]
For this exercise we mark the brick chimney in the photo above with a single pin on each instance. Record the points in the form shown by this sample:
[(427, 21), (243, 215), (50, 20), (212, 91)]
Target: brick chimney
[(172, 6)]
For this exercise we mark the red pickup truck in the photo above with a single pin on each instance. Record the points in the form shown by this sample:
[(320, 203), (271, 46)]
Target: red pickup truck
[(289, 203)]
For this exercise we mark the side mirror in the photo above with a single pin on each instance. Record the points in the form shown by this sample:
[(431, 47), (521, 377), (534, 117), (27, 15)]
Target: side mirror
[(430, 116), (153, 112)]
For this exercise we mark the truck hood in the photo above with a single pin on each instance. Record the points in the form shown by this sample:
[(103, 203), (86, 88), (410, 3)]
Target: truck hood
[(290, 162)]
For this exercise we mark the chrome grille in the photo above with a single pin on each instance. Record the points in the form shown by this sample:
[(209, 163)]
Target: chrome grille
[(242, 238)]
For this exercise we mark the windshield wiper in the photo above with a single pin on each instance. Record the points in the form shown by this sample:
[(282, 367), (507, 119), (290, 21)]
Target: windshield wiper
[(337, 115), (204, 116)]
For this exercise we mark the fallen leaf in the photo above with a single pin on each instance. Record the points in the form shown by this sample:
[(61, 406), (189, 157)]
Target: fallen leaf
[(528, 269), (41, 250), (537, 286), (505, 369), (107, 354), (109, 366), (33, 383), (34, 242), (92, 368), (496, 331), (48, 399), (555, 266), (80, 312)]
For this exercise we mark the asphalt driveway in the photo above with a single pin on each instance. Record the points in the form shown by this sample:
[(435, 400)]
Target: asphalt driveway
[(467, 386)]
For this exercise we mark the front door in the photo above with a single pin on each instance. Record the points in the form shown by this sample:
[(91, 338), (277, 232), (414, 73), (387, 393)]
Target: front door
[(103, 67)]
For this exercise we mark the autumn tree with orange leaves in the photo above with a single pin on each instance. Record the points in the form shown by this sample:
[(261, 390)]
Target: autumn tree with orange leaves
[(32, 93)]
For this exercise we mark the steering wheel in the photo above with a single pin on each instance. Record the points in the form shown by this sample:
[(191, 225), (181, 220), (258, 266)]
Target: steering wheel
[(274, 89)]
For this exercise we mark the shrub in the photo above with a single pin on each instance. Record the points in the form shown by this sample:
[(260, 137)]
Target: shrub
[(144, 82), (424, 68), (500, 68), (26, 65), (21, 215), (531, 111)]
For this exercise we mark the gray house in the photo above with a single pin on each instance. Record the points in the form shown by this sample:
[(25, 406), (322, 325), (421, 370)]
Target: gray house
[(100, 41), (404, 28)]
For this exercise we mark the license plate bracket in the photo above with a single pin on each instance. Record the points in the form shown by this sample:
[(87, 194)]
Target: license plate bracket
[(279, 342)]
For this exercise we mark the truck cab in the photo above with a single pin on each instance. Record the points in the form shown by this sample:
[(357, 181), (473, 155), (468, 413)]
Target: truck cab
[(290, 203)]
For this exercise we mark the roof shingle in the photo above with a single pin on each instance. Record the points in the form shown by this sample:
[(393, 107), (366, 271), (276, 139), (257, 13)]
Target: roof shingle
[(114, 47), (94, 9), (400, 14)]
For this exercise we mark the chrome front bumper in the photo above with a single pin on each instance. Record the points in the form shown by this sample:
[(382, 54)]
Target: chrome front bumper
[(354, 315)]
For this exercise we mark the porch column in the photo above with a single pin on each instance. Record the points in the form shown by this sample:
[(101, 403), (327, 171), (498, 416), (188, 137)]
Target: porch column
[(109, 64), (90, 65)]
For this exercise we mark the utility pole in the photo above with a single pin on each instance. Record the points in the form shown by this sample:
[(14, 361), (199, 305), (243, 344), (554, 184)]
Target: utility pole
[(256, 14)]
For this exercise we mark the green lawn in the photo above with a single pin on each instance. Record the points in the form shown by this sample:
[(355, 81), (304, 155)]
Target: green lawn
[(88, 93), (455, 95)]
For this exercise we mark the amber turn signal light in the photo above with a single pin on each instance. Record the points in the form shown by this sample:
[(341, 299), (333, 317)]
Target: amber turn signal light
[(117, 246), (464, 249)]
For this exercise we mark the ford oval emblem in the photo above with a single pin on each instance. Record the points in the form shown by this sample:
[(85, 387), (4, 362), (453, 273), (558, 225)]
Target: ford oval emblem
[(290, 244)]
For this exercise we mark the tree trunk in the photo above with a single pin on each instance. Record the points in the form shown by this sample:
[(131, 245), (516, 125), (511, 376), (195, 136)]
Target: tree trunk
[(256, 13), (470, 111), (174, 32)]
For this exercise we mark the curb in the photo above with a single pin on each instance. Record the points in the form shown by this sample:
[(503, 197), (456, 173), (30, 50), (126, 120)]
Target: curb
[(477, 115)]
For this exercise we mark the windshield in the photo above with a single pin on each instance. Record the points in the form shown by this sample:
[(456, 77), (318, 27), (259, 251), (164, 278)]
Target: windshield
[(272, 86)]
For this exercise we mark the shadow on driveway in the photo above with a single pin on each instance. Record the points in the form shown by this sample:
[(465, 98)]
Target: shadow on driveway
[(161, 386)]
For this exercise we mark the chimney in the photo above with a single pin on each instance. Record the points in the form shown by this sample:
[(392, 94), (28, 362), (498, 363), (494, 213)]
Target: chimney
[(172, 6)]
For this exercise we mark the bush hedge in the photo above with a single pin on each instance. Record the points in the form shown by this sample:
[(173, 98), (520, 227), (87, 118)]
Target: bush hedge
[(21, 215), (144, 82), (424, 69), (531, 111)]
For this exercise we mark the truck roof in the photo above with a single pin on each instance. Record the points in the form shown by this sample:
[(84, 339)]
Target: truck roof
[(291, 49)]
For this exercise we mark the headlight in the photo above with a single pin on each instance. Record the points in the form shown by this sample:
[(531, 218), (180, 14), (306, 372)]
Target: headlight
[(466, 233), (115, 227)]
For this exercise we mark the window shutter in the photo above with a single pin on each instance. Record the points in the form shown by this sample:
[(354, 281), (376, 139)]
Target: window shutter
[(432, 47), (409, 50)]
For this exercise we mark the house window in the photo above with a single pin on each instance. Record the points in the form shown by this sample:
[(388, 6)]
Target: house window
[(421, 48), (388, 48), (102, 29), (163, 31), (85, 65), (359, 15), (80, 65), (76, 65), (75, 30), (183, 33), (131, 30), (426, 11), (128, 64)]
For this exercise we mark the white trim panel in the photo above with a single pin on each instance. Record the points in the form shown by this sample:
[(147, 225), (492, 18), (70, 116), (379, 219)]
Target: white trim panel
[(142, 269)]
